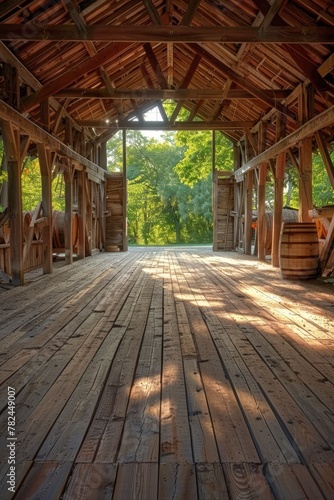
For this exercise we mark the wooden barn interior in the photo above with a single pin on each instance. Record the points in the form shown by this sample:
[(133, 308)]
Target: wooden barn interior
[(166, 373)]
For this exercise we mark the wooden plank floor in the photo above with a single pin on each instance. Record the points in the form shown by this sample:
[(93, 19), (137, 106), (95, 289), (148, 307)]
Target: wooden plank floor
[(167, 374)]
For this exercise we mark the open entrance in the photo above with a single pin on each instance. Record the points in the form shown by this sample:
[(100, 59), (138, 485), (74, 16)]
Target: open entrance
[(169, 183)]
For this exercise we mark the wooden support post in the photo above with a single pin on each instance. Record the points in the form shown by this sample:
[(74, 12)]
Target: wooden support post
[(214, 190), (103, 155), (261, 195), (4, 186), (89, 218), (11, 141), (261, 211), (305, 179), (68, 177), (82, 213), (45, 168), (278, 207), (248, 212), (237, 153), (102, 198), (125, 195)]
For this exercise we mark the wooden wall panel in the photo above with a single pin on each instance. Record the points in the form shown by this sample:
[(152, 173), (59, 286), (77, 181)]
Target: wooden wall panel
[(116, 232), (223, 204)]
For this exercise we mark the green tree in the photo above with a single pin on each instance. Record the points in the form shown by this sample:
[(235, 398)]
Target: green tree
[(197, 161), (323, 192)]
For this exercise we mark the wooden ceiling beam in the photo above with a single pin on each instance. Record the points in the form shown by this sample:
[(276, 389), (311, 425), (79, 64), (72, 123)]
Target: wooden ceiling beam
[(169, 33), (178, 125), (181, 93)]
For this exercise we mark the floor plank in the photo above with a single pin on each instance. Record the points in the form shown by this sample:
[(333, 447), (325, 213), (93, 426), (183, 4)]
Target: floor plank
[(168, 373)]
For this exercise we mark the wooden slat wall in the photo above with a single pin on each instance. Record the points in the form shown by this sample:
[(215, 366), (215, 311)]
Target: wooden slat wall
[(116, 232), (223, 204)]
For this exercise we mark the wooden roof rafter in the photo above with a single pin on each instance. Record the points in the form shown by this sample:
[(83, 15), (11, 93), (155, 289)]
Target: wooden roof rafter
[(242, 49)]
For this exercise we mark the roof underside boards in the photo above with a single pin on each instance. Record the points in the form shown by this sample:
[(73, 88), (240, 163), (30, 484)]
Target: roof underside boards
[(104, 55)]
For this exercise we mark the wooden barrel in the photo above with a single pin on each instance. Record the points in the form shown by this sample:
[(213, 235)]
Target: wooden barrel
[(58, 229), (288, 215), (299, 250), (111, 248)]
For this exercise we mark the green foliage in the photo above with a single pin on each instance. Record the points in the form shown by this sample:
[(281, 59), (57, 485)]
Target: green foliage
[(31, 184), (32, 187), (197, 161), (322, 190)]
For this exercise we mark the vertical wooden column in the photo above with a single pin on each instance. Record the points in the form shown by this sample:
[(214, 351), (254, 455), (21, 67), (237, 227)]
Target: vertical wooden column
[(103, 155), (89, 218), (102, 198), (248, 197), (237, 197), (82, 213), (261, 211), (11, 141), (4, 187), (125, 196), (305, 179), (305, 113), (214, 190), (248, 212), (278, 207), (45, 168), (261, 195), (68, 177)]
